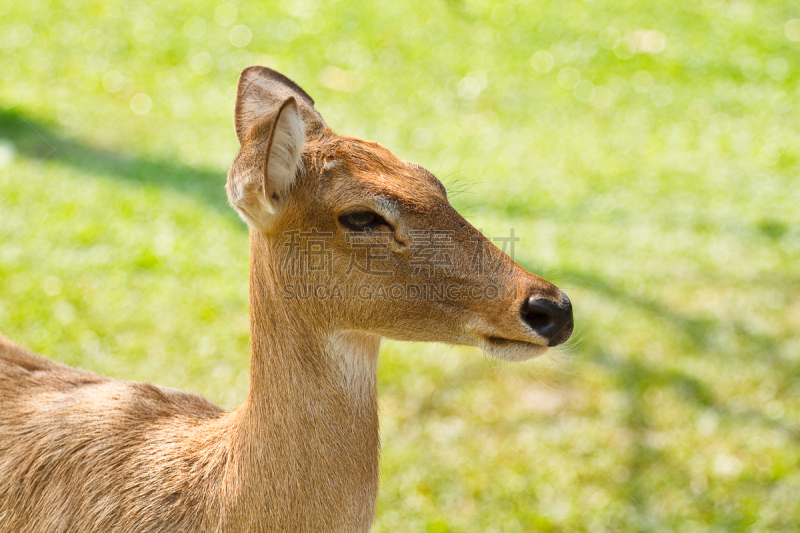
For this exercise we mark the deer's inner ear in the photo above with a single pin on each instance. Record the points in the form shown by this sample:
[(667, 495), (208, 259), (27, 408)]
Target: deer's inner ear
[(284, 151)]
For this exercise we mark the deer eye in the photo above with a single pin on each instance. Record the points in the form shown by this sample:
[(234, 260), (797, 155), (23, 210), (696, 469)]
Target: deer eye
[(362, 220)]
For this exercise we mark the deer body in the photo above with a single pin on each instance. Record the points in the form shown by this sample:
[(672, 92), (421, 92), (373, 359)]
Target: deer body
[(85, 453), (95, 454)]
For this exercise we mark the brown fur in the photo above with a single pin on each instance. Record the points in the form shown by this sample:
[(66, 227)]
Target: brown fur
[(85, 453)]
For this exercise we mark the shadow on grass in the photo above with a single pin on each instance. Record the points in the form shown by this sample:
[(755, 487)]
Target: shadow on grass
[(701, 332), (634, 376), (37, 140)]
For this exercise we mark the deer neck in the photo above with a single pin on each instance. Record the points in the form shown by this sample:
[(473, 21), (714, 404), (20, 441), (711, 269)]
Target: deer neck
[(309, 427)]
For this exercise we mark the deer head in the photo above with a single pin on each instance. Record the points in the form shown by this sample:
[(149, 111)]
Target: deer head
[(363, 241)]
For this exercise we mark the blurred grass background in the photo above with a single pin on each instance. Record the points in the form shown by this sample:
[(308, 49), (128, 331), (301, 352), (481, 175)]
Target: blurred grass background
[(645, 152)]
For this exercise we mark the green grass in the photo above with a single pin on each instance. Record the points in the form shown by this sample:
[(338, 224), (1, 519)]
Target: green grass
[(663, 198)]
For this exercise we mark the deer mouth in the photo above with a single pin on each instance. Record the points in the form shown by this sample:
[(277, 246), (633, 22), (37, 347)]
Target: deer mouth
[(512, 349)]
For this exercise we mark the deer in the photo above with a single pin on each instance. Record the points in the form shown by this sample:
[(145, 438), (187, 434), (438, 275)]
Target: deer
[(80, 452)]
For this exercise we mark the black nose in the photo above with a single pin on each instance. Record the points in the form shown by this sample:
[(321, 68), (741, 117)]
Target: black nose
[(549, 319)]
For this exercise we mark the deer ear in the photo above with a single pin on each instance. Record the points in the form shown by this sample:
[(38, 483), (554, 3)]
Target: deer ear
[(273, 118), (261, 91), (266, 166)]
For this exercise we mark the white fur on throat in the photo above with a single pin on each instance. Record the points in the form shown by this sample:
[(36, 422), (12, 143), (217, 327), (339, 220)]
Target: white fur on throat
[(356, 355)]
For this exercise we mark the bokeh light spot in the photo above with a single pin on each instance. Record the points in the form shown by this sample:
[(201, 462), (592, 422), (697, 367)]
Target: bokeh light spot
[(194, 27), (649, 41), (503, 14), (568, 78), (642, 81), (336, 78), (52, 285), (603, 98), (720, 123), (587, 44), (7, 152), (752, 67), (777, 68), (141, 104), (624, 48), (550, 31), (288, 30), (542, 61), (93, 40), (661, 95), (67, 114), (9, 98), (313, 22), (144, 31), (608, 37), (449, 134), (21, 36), (112, 81), (584, 91), (240, 36), (421, 39), (792, 29), (201, 62), (225, 14), (469, 88), (420, 138)]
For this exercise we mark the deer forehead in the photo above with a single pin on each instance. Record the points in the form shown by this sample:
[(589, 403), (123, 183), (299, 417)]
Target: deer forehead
[(353, 166)]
